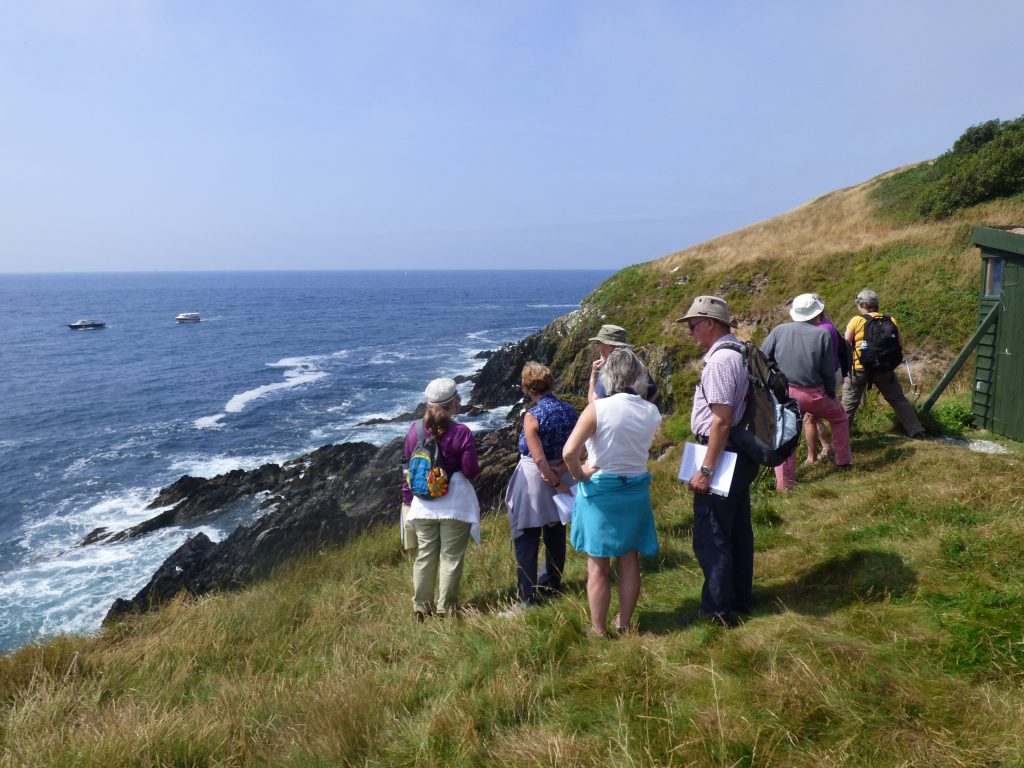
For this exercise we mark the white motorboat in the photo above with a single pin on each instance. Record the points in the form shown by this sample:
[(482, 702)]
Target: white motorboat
[(188, 317), (86, 325)]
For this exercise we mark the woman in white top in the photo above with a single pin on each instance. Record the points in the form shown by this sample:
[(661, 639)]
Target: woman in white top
[(612, 515)]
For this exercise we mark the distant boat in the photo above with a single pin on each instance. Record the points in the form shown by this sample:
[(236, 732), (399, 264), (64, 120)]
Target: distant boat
[(188, 317), (86, 325)]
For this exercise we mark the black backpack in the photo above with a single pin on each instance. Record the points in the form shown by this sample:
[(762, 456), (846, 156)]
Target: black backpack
[(845, 357), (880, 350), (770, 428)]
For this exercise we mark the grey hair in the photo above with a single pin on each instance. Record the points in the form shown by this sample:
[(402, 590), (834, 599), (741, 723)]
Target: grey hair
[(622, 371), (867, 298)]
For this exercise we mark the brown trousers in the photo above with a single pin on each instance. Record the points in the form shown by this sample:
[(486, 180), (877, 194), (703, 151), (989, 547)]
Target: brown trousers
[(889, 385)]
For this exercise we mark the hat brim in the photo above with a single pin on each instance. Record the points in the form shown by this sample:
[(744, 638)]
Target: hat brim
[(730, 322), (803, 317), (610, 343)]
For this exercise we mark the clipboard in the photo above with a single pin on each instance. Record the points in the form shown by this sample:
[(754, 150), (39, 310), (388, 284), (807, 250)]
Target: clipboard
[(721, 478), (564, 503)]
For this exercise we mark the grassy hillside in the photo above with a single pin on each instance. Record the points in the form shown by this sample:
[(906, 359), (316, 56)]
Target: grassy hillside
[(890, 622), (888, 632), (927, 274)]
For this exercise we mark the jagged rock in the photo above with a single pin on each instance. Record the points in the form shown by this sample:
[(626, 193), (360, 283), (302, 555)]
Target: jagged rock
[(171, 578), (357, 485), (499, 381), (95, 535), (196, 497), (408, 416), (325, 497)]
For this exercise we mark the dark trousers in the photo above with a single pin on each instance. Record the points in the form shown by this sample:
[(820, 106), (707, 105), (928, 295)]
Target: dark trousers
[(527, 548), (723, 541)]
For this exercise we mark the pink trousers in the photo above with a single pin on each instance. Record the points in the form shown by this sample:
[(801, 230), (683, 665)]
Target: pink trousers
[(813, 400)]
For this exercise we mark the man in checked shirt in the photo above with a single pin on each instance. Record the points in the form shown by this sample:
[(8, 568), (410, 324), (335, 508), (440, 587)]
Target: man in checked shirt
[(723, 536)]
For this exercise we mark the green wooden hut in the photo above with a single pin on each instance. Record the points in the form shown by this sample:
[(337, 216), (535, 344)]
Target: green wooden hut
[(999, 363)]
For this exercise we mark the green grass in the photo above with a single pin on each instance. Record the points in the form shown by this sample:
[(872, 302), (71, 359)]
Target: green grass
[(888, 632)]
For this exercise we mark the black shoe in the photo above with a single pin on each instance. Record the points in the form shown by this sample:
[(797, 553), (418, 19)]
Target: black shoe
[(726, 620), (420, 618)]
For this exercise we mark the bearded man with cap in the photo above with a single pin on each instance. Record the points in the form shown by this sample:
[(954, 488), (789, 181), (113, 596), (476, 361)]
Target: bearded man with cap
[(803, 351), (608, 339), (723, 536)]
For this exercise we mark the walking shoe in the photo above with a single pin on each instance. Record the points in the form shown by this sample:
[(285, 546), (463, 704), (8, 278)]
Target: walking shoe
[(518, 609)]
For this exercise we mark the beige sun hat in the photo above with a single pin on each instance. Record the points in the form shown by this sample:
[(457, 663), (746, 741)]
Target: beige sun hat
[(441, 391), (806, 307), (612, 334), (708, 307)]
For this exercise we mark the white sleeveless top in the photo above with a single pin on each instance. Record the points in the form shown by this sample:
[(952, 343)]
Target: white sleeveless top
[(625, 428)]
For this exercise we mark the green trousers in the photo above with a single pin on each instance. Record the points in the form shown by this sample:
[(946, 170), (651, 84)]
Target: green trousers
[(442, 548)]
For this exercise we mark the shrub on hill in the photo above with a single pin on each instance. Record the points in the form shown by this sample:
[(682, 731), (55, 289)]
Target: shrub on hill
[(985, 163)]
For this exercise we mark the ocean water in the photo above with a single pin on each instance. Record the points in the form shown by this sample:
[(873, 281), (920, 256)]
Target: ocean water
[(94, 423)]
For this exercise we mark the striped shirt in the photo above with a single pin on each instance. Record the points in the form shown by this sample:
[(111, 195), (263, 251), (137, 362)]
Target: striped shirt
[(722, 382)]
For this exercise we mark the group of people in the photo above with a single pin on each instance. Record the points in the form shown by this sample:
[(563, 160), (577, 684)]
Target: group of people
[(598, 459)]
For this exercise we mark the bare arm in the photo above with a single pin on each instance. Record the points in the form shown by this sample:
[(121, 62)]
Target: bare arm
[(531, 430), (595, 371), (718, 436), (585, 427)]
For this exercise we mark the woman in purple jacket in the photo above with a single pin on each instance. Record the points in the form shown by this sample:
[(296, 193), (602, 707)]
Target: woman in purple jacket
[(443, 525)]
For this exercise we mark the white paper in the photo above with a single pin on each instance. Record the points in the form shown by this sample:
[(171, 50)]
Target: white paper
[(564, 502), (721, 478)]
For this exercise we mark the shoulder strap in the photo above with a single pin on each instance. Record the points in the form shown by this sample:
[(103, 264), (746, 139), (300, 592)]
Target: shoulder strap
[(421, 430), (869, 318), (735, 347)]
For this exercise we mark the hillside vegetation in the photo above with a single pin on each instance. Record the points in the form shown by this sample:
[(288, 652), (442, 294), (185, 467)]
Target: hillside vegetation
[(889, 629)]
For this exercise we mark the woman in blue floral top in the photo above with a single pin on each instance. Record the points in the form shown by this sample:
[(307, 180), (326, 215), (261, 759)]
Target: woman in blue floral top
[(540, 474)]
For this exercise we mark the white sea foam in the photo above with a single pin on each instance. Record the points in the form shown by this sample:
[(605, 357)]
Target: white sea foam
[(199, 465), (482, 336), (488, 421), (388, 358), (72, 592), (54, 533), (297, 371), (209, 422), (293, 378)]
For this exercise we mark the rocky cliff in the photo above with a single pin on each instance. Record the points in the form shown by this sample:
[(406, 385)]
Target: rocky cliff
[(320, 499)]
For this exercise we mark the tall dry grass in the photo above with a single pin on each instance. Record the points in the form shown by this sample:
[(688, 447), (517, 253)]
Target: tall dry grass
[(844, 221), (888, 602)]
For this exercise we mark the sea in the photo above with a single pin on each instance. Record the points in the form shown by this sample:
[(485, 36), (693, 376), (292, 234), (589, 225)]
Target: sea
[(94, 423)]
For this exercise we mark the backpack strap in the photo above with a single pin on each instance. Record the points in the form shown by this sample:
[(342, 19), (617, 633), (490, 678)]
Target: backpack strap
[(735, 347), (421, 431)]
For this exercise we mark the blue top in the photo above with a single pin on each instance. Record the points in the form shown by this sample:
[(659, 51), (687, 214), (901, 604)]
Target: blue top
[(555, 419)]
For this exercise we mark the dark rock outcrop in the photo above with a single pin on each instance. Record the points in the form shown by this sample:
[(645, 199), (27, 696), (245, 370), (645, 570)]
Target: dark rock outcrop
[(499, 381), (342, 490), (320, 499)]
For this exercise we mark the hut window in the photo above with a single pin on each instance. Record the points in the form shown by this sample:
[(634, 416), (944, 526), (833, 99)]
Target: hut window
[(993, 277)]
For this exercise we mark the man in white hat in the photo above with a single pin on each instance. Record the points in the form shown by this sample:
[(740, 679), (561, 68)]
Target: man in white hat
[(803, 352), (608, 339), (723, 536)]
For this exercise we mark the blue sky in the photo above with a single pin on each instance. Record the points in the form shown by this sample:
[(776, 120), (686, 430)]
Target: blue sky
[(317, 134)]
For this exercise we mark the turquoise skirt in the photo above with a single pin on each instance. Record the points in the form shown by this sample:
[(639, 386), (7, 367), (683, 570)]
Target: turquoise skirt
[(612, 515)]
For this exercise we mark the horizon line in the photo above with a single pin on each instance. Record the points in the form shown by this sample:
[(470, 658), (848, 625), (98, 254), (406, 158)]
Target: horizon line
[(308, 271)]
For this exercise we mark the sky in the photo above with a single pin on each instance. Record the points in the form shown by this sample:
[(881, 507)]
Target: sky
[(177, 135)]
